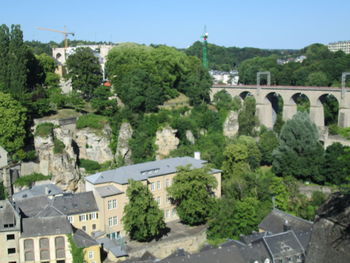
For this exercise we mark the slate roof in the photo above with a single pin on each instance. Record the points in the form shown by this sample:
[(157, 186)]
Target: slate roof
[(143, 171), (108, 190), (9, 217), (66, 204), (37, 190), (283, 245), (274, 222), (45, 226), (81, 239), (113, 246)]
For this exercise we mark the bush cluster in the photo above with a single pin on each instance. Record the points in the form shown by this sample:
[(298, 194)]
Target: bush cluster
[(28, 180), (92, 121)]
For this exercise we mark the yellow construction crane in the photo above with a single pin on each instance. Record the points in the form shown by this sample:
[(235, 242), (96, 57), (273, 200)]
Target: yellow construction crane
[(65, 33)]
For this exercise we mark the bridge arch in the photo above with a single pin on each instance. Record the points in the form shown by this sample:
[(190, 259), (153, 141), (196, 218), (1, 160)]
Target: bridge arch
[(271, 110), (330, 105), (245, 94)]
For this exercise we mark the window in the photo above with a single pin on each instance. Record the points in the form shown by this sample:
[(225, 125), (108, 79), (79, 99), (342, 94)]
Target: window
[(28, 249), (11, 251), (115, 220), (10, 237), (167, 182), (110, 221), (84, 228), (60, 247), (44, 248), (173, 212), (158, 185), (153, 186), (158, 200), (167, 213), (93, 226), (60, 261), (93, 215), (112, 204), (168, 201), (91, 254), (82, 218), (70, 219)]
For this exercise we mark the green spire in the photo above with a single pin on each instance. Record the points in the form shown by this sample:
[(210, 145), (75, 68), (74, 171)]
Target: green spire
[(204, 50)]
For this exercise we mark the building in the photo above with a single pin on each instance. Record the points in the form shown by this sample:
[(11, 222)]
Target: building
[(10, 230), (49, 190), (340, 45), (223, 77), (3, 157), (109, 188)]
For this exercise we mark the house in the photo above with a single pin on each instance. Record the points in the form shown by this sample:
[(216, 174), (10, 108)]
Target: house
[(109, 188), (80, 208), (10, 230)]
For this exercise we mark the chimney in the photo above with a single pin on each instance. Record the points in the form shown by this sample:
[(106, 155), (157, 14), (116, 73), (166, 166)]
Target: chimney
[(286, 226), (197, 155)]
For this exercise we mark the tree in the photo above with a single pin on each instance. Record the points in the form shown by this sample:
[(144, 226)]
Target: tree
[(300, 153), (231, 218), (4, 60), (267, 143), (318, 78), (85, 71), (12, 122), (192, 193), (101, 102), (142, 219), (246, 117)]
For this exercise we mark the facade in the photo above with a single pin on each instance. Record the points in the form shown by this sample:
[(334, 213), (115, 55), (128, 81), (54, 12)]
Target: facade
[(109, 188), (3, 157), (340, 45), (10, 229)]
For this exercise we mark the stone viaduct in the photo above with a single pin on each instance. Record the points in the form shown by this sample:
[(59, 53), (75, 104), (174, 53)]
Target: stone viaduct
[(266, 110)]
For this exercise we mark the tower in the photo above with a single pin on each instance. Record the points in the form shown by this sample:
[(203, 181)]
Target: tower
[(204, 49)]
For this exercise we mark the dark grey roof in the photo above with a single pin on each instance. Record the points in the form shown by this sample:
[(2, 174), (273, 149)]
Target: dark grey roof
[(248, 239), (45, 226), (37, 190), (143, 171), (113, 246), (275, 221), (70, 204), (9, 217), (108, 190), (32, 206), (283, 245), (81, 239)]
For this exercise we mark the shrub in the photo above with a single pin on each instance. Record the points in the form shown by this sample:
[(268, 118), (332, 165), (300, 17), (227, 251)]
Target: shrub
[(28, 180), (89, 165), (58, 146), (44, 129), (91, 121)]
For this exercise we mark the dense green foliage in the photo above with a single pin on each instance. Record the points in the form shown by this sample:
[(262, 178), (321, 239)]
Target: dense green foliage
[(300, 153), (3, 192), (142, 219), (192, 193), (58, 146), (28, 180), (89, 165), (320, 68), (246, 118), (91, 121), (267, 143), (12, 121), (145, 77), (227, 58), (85, 71), (76, 252), (44, 129)]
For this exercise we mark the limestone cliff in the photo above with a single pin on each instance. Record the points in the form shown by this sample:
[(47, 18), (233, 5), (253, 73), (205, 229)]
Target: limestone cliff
[(123, 150), (62, 166), (231, 124), (166, 141), (94, 145), (330, 239)]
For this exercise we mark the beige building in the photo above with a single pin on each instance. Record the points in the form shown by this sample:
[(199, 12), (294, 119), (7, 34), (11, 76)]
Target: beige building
[(10, 229), (340, 45), (109, 188)]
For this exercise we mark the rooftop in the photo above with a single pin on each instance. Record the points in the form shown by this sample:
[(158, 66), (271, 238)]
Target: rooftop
[(143, 171), (38, 190), (108, 190), (9, 217), (45, 226), (81, 239)]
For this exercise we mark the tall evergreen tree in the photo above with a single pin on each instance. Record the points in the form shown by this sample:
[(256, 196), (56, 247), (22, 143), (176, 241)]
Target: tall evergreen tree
[(4, 59), (17, 63)]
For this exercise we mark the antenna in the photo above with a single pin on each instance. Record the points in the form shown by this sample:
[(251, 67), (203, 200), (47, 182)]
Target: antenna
[(204, 49)]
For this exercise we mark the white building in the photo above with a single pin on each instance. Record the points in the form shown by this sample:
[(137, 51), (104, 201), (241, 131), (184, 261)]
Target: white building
[(340, 45), (222, 77)]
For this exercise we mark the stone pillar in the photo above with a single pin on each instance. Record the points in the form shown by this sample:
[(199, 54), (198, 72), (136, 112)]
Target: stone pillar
[(264, 114), (317, 115), (289, 110), (344, 117)]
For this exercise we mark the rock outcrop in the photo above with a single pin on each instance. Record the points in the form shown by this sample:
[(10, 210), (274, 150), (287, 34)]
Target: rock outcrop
[(231, 124), (166, 141), (123, 151), (94, 145), (190, 137), (62, 166), (330, 239)]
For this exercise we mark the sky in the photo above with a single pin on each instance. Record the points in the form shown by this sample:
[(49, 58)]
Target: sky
[(272, 24)]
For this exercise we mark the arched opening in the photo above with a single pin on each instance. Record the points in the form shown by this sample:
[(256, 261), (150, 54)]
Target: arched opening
[(302, 102), (330, 108), (276, 114), (58, 55), (245, 94)]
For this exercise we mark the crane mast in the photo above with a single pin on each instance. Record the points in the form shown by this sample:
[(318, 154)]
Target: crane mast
[(204, 48)]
